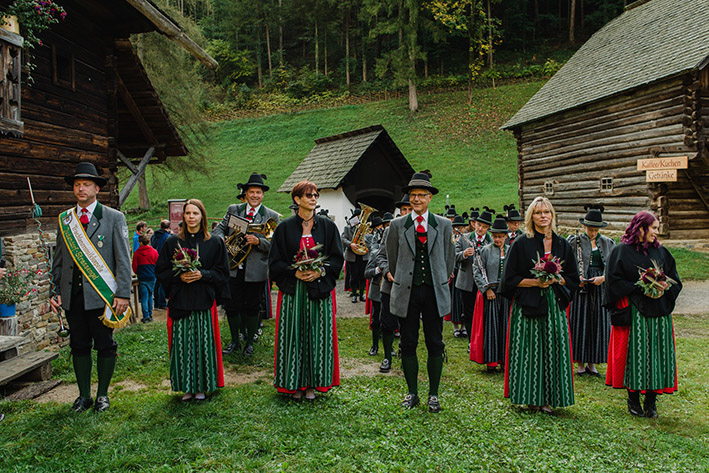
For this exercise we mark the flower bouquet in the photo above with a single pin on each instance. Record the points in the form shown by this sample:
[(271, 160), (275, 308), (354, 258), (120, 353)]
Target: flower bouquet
[(547, 268), (16, 285), (185, 259), (309, 259), (653, 280)]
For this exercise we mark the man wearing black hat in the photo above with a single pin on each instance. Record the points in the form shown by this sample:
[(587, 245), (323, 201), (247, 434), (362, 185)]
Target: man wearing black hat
[(514, 220), (465, 250), (373, 275), (91, 272), (355, 263), (421, 257), (389, 323), (246, 282)]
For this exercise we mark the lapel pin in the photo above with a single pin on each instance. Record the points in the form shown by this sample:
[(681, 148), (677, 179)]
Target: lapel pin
[(100, 241)]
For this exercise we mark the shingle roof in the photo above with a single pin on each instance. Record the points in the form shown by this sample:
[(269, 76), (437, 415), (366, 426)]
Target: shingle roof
[(649, 42), (333, 157)]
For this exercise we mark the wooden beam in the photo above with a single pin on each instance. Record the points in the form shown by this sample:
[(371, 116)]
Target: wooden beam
[(135, 111), (167, 27), (125, 192)]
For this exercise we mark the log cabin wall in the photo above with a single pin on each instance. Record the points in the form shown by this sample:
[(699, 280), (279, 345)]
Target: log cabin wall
[(568, 156), (65, 114)]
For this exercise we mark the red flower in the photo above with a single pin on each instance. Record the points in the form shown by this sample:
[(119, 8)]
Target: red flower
[(179, 256), (550, 267)]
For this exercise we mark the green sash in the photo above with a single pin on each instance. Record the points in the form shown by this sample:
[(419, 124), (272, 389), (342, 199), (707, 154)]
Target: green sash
[(92, 266)]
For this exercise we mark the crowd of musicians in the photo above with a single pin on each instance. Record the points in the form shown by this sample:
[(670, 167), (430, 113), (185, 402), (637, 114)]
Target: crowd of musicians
[(528, 303)]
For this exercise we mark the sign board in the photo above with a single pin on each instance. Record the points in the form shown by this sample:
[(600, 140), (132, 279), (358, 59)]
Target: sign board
[(663, 175), (175, 211), (657, 164)]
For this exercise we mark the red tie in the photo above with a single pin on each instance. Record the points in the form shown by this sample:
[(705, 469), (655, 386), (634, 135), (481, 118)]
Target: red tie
[(250, 216), (84, 219), (420, 230)]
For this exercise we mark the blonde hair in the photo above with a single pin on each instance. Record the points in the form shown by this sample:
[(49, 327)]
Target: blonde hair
[(529, 223)]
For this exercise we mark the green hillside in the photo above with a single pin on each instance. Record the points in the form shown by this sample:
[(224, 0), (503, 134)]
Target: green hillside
[(470, 158)]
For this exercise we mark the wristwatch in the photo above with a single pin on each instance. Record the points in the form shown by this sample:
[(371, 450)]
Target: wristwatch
[(322, 272)]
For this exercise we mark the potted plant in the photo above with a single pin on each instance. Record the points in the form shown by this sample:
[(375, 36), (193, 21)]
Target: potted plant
[(34, 17), (14, 287)]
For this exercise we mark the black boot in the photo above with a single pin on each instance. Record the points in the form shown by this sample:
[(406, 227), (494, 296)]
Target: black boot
[(650, 408), (634, 404)]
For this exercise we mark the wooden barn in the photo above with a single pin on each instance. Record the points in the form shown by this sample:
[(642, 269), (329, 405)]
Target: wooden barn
[(633, 92), (362, 165), (89, 99)]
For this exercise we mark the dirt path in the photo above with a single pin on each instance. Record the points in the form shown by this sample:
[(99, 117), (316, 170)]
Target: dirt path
[(694, 298)]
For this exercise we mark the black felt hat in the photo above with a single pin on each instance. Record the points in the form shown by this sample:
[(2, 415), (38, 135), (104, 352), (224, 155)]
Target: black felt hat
[(376, 221), (486, 215), (421, 180), (256, 180), (86, 170), (404, 201), (388, 217), (324, 212), (594, 216), (474, 214), (450, 211), (459, 221), (242, 191), (499, 225), (512, 213)]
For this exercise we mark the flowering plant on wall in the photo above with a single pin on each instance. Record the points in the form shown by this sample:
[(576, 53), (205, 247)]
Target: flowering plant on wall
[(16, 285)]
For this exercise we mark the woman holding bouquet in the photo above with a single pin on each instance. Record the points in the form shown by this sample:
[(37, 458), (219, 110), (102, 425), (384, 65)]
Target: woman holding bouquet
[(194, 270), (305, 260), (642, 286), (540, 277)]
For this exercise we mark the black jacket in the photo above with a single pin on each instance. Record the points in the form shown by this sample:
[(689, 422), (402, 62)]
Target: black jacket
[(623, 271), (285, 244), (199, 295), (520, 261)]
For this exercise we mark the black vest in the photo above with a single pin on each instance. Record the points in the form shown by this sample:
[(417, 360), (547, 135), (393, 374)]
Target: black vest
[(422, 265)]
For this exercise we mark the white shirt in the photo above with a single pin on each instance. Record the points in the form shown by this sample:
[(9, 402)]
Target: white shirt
[(424, 223), (90, 209), (256, 209)]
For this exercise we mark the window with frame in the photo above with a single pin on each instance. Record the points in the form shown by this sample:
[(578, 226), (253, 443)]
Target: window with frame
[(63, 71), (10, 77), (549, 188), (606, 183)]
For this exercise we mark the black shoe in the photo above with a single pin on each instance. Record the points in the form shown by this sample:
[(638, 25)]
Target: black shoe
[(397, 334), (102, 404), (434, 404), (362, 298), (373, 351), (649, 405), (259, 332), (410, 401), (634, 404), (231, 348), (354, 299), (385, 367), (456, 333), (394, 354), (248, 350), (464, 333), (82, 403)]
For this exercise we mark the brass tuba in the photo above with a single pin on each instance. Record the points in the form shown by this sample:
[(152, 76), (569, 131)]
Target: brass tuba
[(363, 229), (237, 246)]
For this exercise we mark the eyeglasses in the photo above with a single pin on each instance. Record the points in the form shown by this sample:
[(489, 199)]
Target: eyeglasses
[(418, 196), (310, 195)]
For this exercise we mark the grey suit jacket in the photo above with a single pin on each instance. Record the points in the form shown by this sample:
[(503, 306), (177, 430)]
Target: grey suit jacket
[(466, 274), (604, 244), (401, 254), (383, 264), (109, 227), (370, 272), (256, 263), (490, 258)]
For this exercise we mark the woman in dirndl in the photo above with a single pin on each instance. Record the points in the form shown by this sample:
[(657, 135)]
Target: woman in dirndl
[(193, 291), (492, 310), (589, 320), (306, 357), (641, 355), (539, 370)]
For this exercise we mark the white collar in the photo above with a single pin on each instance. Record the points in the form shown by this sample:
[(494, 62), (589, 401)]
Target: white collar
[(414, 215), (256, 209), (90, 209)]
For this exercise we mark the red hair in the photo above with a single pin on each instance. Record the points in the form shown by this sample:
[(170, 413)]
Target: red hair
[(641, 221)]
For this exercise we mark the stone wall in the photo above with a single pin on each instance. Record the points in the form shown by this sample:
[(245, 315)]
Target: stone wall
[(36, 321)]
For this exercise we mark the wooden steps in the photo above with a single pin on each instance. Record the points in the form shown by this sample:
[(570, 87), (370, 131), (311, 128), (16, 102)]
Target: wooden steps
[(33, 366)]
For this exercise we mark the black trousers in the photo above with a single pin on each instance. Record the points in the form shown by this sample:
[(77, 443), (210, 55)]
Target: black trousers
[(388, 321), (87, 330), (376, 315), (245, 296), (468, 308), (422, 307), (355, 274)]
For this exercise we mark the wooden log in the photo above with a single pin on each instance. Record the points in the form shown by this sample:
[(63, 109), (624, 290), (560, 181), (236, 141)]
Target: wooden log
[(31, 390), (8, 326)]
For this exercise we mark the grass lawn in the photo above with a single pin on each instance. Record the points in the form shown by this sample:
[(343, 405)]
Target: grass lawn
[(469, 157), (358, 427)]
